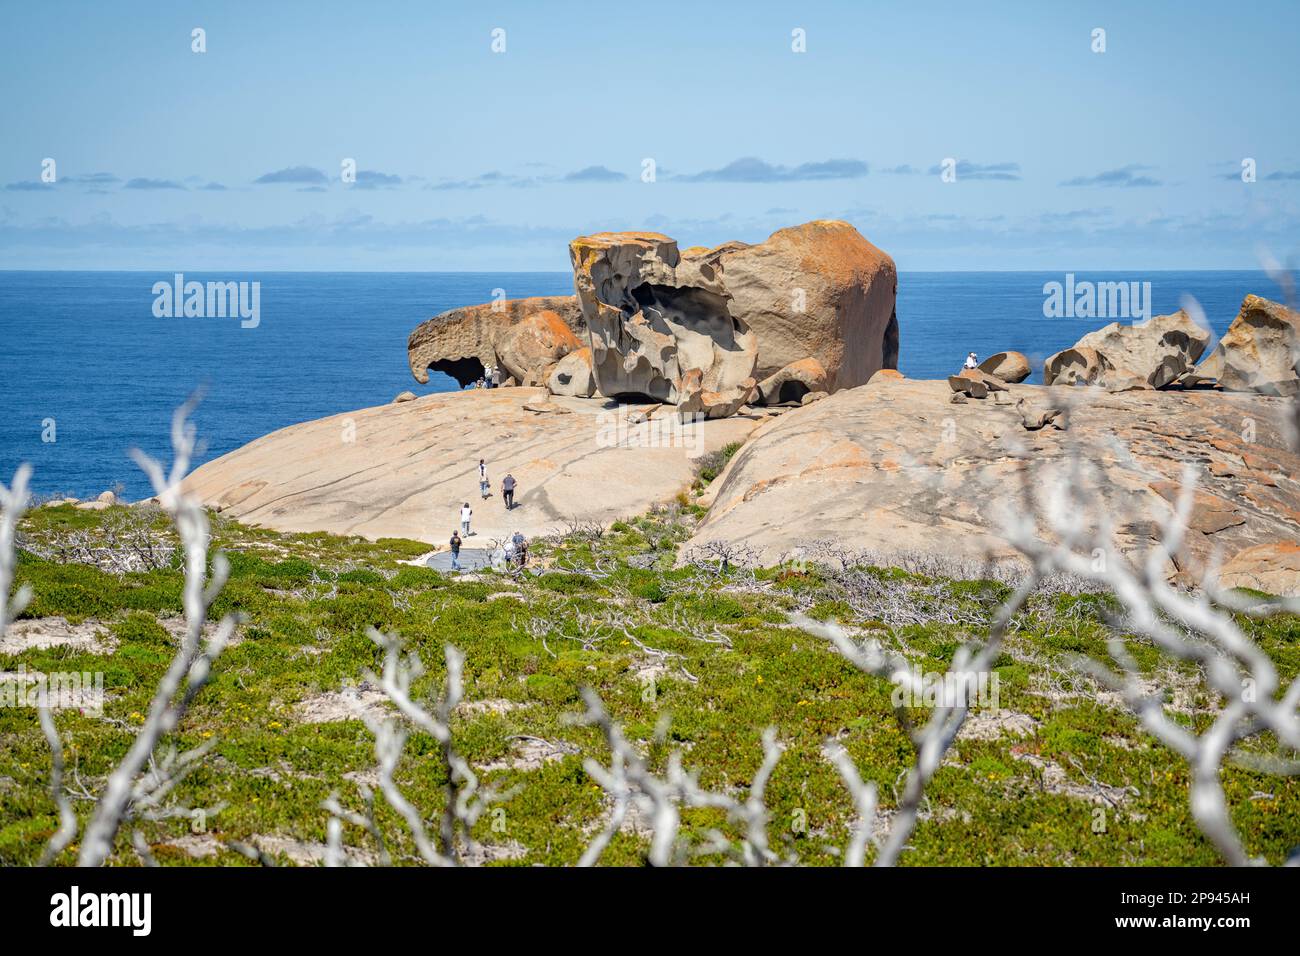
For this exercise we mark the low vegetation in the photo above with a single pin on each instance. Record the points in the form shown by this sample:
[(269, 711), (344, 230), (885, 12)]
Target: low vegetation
[(697, 658)]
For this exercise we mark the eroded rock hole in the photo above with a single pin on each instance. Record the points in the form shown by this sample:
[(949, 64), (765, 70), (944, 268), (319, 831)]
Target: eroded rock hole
[(466, 371), (696, 309)]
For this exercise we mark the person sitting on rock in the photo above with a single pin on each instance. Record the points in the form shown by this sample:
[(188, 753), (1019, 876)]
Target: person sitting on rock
[(521, 548), (972, 361), (508, 491), (455, 550), (465, 514)]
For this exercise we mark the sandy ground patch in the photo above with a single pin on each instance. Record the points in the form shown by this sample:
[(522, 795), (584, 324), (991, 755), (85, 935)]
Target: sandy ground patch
[(41, 633), (351, 703)]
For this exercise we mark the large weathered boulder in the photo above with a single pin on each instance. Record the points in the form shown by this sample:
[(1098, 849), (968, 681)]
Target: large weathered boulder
[(463, 342), (530, 348), (1260, 352), (1008, 366), (789, 385), (819, 290), (1159, 349), (894, 470), (572, 375), (1150, 354), (653, 317)]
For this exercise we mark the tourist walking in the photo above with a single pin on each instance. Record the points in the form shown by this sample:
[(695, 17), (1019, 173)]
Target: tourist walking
[(455, 551), (496, 376), (484, 486), (508, 491), (521, 548), (466, 512)]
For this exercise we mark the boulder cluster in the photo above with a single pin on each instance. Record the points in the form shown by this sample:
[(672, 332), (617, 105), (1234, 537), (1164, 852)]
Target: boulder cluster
[(808, 312), (1260, 353)]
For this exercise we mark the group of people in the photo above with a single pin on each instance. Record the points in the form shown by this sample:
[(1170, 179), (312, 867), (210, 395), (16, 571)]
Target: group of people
[(516, 548), (485, 487), (491, 377)]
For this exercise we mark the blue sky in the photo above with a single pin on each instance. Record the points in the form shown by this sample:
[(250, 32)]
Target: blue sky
[(475, 160)]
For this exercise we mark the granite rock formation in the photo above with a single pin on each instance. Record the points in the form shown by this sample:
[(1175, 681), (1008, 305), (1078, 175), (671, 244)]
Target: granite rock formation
[(893, 468), (654, 317), (1260, 352), (463, 342), (1151, 354)]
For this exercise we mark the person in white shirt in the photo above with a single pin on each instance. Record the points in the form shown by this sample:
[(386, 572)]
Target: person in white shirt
[(484, 486), (465, 514), (972, 361)]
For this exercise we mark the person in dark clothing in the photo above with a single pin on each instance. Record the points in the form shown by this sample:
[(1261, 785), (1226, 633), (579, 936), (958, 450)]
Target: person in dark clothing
[(508, 490), (521, 548), (455, 551)]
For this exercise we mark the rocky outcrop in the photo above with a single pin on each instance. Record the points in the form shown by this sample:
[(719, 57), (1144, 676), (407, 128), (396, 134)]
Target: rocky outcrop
[(463, 342), (653, 317), (1273, 568), (789, 385), (1150, 354), (892, 468), (1008, 366), (819, 290), (1260, 352), (572, 375), (807, 311), (404, 470)]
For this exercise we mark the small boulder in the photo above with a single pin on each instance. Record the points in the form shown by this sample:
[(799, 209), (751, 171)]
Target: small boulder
[(792, 383), (991, 382), (1034, 417), (404, 397), (1010, 367), (572, 375)]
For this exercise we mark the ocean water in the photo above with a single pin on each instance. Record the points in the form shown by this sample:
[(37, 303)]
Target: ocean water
[(84, 361)]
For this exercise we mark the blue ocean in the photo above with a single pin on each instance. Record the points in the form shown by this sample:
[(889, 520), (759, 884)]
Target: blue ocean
[(87, 371)]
